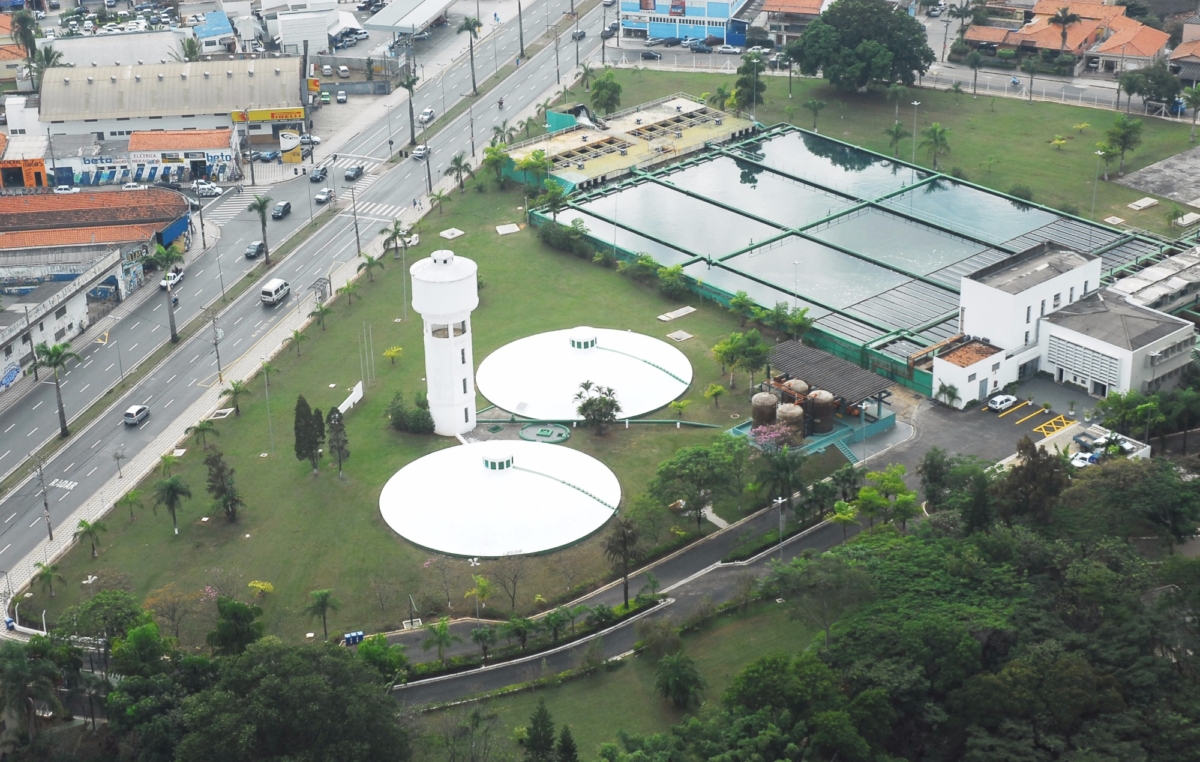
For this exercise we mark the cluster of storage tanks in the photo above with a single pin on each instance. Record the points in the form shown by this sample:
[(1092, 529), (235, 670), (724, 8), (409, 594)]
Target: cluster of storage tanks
[(819, 405)]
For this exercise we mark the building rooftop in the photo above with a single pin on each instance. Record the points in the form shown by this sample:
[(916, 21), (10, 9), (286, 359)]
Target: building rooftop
[(178, 140), (1186, 50), (1110, 317), (1133, 39), (15, 304), (49, 238), (216, 24), (170, 89), (115, 49), (48, 211), (1164, 281), (967, 354), (1031, 267), (801, 7), (26, 147), (821, 370)]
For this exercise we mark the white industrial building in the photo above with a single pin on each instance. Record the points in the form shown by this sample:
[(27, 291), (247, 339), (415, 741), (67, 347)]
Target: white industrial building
[(115, 49), (1168, 285), (113, 102), (445, 292), (1042, 310)]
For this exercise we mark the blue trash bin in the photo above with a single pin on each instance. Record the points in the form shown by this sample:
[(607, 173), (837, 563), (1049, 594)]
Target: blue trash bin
[(9, 624)]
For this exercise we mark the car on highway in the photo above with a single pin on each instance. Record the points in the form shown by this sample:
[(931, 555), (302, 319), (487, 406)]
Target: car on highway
[(64, 189), (420, 152), (135, 415), (758, 49), (426, 116), (255, 249), (933, 12), (578, 34), (324, 196), (318, 175), (355, 172), (730, 50), (171, 279), (1003, 402), (341, 96), (326, 98), (206, 189), (133, 186), (281, 210), (651, 55), (607, 34), (309, 140), (652, 41)]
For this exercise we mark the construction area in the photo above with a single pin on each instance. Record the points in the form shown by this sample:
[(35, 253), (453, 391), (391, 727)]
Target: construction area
[(874, 248)]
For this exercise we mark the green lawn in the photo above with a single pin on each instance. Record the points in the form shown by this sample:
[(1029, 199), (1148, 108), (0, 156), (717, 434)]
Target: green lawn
[(307, 533), (625, 699), (1014, 133)]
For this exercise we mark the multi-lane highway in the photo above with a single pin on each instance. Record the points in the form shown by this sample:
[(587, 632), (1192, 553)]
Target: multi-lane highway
[(85, 462)]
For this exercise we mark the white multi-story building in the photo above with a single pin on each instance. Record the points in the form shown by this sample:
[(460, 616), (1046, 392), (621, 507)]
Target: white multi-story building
[(1042, 310)]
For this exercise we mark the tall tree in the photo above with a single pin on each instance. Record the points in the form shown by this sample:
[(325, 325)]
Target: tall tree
[(131, 499), (42, 61), (598, 406), (261, 205), (440, 636), (460, 169), (855, 43), (606, 93), (566, 750), (694, 475), (321, 604), (1064, 19), (896, 132), (25, 29), (1124, 136), (307, 428), (485, 638), (815, 106), (779, 473), (751, 82), (677, 679), (935, 138), (481, 592), (539, 744), (202, 430), (46, 574), (621, 549), (408, 81), (1032, 486), (164, 259), (897, 94), (54, 358), (471, 26), (823, 590), (170, 493), (221, 486), (25, 683), (974, 62), (238, 625), (339, 445), (90, 531), (370, 264)]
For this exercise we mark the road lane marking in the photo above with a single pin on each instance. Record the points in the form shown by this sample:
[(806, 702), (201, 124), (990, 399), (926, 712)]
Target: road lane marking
[(168, 405), (84, 389), (89, 473), (89, 362), (31, 433), (110, 367), (239, 341), (135, 346), (98, 441), (35, 522), (194, 359), (147, 400), (35, 407), (135, 325), (68, 468), (6, 547), (10, 428), (172, 378), (155, 328), (5, 455), (10, 518), (156, 308)]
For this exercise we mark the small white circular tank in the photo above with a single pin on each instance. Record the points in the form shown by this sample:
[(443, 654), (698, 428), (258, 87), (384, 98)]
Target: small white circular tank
[(444, 284)]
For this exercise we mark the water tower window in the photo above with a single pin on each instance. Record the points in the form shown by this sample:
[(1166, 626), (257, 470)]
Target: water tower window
[(466, 415), (464, 386), (460, 328), (440, 330), (464, 356)]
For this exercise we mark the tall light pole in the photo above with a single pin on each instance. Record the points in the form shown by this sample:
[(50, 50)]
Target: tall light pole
[(471, 119), (914, 158), (576, 36), (779, 503), (270, 426), (354, 213), (945, 37), (45, 500), (521, 28), (428, 171), (795, 283)]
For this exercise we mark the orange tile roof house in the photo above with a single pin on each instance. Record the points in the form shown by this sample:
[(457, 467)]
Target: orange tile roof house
[(179, 140), (49, 211)]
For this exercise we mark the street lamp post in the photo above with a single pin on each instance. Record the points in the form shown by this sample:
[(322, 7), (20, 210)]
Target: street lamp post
[(471, 119), (203, 237), (354, 213), (914, 154), (521, 28), (945, 37), (221, 273), (779, 503), (270, 426), (428, 171)]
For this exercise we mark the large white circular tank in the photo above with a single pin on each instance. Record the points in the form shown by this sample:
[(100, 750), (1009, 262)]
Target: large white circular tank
[(444, 284)]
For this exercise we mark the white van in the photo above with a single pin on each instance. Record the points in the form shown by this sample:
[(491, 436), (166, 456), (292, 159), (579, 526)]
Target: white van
[(327, 70), (343, 72), (275, 291)]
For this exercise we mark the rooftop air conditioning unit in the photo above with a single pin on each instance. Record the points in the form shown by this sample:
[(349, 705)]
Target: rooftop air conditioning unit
[(137, 77), (160, 77), (66, 80), (139, 62), (89, 80), (229, 73), (113, 79), (276, 71), (183, 75), (206, 75)]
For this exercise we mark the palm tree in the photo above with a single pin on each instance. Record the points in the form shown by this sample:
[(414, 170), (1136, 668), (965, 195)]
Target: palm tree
[(164, 259), (437, 198), (586, 74), (296, 339), (896, 132), (409, 81), (235, 391), (460, 168), (166, 462), (24, 682), (440, 637), (471, 26), (190, 50), (320, 603), (42, 61), (1063, 19), (620, 547), (1191, 99), (1030, 65), (678, 680), (46, 574), (504, 133), (350, 290), (170, 492), (719, 97), (54, 358), (963, 12), (131, 499), (897, 93), (261, 205), (320, 312), (975, 62), (481, 592), (90, 531), (25, 28), (814, 105), (394, 238), (485, 638), (935, 138), (369, 264), (202, 431), (948, 393)]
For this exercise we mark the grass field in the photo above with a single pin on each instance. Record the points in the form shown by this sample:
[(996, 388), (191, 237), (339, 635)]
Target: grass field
[(597, 707), (302, 533), (1014, 133)]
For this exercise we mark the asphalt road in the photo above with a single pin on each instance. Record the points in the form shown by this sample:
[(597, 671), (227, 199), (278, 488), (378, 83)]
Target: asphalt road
[(76, 472)]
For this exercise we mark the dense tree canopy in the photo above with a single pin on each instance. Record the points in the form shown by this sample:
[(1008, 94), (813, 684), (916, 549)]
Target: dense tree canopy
[(855, 43)]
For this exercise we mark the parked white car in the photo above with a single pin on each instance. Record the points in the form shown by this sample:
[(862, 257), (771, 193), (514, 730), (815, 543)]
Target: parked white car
[(203, 188), (1003, 402), (66, 189), (133, 186)]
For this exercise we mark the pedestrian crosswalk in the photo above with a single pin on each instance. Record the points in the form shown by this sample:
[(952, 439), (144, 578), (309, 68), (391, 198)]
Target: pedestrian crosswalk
[(359, 186), (350, 161), (387, 211)]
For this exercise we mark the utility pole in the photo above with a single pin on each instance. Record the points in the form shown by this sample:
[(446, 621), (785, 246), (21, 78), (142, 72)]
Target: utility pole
[(576, 36), (218, 334), (428, 171), (521, 28), (354, 212), (270, 425), (203, 238), (45, 500), (557, 68), (604, 28), (471, 118)]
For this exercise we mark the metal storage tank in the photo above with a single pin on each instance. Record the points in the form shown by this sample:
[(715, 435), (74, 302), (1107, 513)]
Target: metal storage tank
[(762, 408), (797, 386), (792, 415), (820, 407)]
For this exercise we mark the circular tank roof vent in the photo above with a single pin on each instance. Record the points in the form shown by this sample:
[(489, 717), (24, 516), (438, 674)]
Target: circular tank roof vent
[(496, 461), (583, 338)]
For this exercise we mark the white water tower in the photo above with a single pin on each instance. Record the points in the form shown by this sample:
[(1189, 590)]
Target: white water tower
[(445, 291)]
